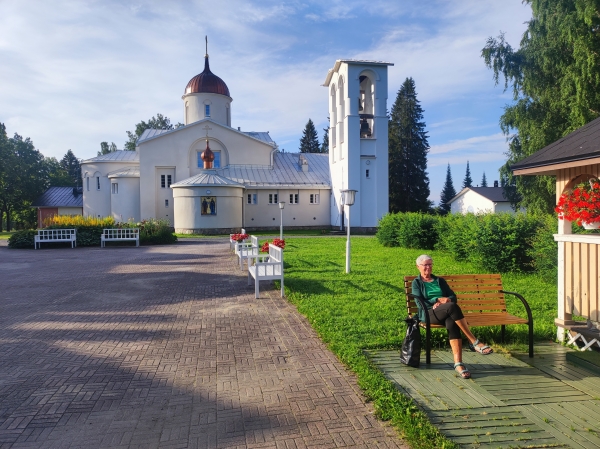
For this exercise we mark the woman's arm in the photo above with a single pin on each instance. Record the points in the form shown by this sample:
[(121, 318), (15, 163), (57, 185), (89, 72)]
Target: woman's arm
[(418, 290), (446, 290)]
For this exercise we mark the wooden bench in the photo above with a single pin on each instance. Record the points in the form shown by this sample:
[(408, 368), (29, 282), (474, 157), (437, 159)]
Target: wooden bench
[(481, 298), (247, 250), (55, 236), (233, 242), (266, 267), (120, 235)]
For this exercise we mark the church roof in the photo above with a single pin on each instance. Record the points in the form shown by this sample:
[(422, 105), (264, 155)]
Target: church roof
[(286, 172), (126, 172), (115, 156), (60, 197), (207, 178), (207, 82)]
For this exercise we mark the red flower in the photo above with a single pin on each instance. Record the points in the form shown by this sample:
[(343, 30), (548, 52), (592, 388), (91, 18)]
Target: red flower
[(581, 205), (276, 242), (239, 237)]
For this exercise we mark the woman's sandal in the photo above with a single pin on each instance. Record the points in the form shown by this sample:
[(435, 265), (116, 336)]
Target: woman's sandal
[(464, 373), (480, 349)]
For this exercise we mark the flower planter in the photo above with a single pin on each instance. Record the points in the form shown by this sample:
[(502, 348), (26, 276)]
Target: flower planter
[(591, 225)]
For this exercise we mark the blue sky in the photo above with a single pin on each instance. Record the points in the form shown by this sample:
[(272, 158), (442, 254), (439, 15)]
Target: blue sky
[(75, 73)]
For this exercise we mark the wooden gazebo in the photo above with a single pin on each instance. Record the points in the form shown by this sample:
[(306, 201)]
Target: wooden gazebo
[(573, 159)]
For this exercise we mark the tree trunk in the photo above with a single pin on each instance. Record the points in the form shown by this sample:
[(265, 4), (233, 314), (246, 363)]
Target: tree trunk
[(7, 212), (1, 222)]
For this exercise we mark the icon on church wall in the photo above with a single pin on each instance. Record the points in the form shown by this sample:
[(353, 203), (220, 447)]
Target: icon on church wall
[(209, 205)]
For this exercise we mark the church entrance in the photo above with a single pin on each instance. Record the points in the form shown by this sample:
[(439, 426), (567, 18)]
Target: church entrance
[(164, 194)]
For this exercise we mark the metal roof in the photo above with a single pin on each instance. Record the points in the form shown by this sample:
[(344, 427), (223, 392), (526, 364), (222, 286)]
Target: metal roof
[(207, 178), (495, 194), (581, 144), (125, 172), (114, 156), (339, 62), (60, 197), (264, 136), (286, 172), (207, 82)]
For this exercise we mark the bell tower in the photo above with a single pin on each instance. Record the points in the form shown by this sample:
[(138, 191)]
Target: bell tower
[(358, 139)]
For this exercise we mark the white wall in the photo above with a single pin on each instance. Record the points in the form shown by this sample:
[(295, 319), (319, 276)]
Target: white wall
[(97, 202), (187, 204), (193, 108), (125, 205)]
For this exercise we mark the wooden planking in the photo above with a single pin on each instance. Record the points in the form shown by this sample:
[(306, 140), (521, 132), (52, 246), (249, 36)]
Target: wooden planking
[(594, 296), (573, 424), (568, 277), (584, 276), (491, 428)]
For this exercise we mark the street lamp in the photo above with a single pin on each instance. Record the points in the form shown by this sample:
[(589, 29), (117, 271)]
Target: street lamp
[(281, 207), (348, 200)]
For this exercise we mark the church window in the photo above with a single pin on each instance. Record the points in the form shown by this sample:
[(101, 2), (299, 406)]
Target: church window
[(162, 181), (252, 198), (97, 182), (168, 181), (166, 203), (115, 188), (273, 198), (367, 174), (314, 198), (293, 198), (216, 162), (206, 110)]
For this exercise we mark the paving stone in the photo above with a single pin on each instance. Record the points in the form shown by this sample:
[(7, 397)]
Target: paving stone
[(165, 347)]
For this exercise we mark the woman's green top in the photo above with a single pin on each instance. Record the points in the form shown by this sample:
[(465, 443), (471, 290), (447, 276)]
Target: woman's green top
[(420, 289)]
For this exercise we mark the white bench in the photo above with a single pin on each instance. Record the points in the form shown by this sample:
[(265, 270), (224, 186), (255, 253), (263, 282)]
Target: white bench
[(120, 235), (267, 268), (55, 236), (233, 242), (247, 250)]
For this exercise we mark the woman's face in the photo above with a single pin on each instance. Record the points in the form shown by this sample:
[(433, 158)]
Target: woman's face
[(425, 268)]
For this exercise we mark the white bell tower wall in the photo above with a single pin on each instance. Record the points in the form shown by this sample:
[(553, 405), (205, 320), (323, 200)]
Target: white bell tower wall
[(358, 140), (198, 106)]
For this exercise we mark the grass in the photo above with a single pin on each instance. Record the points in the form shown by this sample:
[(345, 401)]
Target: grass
[(4, 235), (365, 309)]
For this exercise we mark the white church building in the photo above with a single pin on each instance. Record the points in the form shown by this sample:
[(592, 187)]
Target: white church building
[(209, 177)]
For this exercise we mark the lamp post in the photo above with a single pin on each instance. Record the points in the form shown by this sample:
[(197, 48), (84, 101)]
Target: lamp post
[(348, 200), (281, 207)]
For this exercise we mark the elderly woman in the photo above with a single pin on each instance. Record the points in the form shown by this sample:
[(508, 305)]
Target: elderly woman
[(441, 305)]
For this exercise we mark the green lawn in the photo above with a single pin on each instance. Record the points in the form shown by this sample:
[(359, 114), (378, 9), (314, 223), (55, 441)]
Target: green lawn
[(274, 233), (5, 235), (365, 309)]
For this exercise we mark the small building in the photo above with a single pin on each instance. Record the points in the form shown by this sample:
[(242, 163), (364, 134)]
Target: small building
[(58, 201), (573, 159), (478, 200)]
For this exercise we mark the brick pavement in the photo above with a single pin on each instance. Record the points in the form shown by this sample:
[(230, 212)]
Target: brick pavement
[(164, 347)]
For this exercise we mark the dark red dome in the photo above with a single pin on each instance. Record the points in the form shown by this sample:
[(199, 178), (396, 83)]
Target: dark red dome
[(207, 82)]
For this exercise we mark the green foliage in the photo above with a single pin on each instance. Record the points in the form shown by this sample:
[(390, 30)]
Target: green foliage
[(544, 250), (555, 79), (155, 232), (325, 144), (468, 181), (158, 122), (408, 148), (309, 142), (483, 180), (389, 228), (493, 242), (502, 242), (365, 308), (456, 234), (448, 193), (418, 230), (105, 148), (22, 239)]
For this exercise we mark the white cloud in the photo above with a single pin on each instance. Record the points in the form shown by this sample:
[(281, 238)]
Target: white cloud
[(473, 149)]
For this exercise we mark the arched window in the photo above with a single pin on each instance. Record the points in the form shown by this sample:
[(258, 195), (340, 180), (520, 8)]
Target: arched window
[(342, 112), (333, 120), (366, 104)]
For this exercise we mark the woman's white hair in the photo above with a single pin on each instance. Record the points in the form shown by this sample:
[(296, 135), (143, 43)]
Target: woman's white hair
[(422, 258)]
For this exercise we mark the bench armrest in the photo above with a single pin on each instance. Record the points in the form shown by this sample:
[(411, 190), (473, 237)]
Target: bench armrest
[(527, 308), (423, 306)]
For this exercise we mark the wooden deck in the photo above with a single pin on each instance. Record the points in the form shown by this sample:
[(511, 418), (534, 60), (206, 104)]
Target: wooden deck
[(510, 401)]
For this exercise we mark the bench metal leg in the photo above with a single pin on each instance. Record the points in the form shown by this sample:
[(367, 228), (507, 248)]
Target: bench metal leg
[(531, 338), (427, 345)]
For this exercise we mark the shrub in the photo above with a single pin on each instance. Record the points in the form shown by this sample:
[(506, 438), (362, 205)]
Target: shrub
[(503, 242), (543, 250), (22, 239), (417, 231), (456, 234), (153, 231), (89, 229), (388, 228)]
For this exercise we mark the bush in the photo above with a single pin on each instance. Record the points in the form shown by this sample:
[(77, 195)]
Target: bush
[(543, 250), (153, 231), (417, 231), (22, 239), (503, 242), (89, 229), (456, 234), (388, 228)]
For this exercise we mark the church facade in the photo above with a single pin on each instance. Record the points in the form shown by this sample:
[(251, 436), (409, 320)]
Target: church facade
[(209, 177)]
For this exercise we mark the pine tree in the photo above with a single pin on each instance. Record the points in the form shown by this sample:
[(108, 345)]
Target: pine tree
[(309, 143), (484, 181), (325, 144), (467, 182), (448, 193), (71, 165), (408, 148)]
